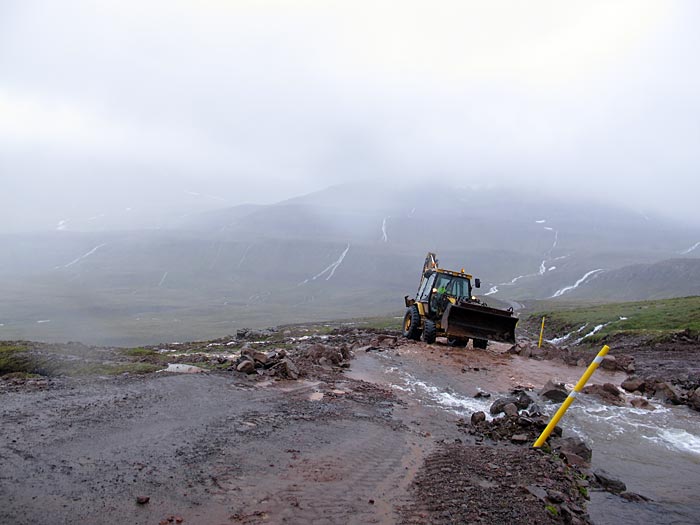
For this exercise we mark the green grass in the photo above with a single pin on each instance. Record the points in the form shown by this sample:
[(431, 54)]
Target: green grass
[(14, 359), (113, 369), (652, 318)]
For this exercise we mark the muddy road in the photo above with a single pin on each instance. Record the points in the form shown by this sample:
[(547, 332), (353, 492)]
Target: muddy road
[(372, 442)]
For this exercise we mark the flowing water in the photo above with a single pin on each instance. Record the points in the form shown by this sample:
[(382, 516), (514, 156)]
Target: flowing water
[(655, 452)]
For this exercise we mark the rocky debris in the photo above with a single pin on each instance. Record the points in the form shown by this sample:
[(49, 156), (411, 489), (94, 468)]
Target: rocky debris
[(521, 429), (552, 391), (607, 392), (519, 398), (608, 482), (461, 483), (666, 393), (573, 357), (478, 417), (633, 384), (142, 500), (694, 399), (573, 450), (640, 402), (285, 369)]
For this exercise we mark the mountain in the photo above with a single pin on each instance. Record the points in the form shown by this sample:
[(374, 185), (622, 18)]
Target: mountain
[(344, 252), (661, 280)]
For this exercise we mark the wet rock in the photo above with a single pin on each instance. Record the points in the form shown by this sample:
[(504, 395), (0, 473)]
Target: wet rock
[(260, 357), (572, 449), (554, 392), (640, 402), (633, 496), (246, 365), (482, 395), (556, 496), (286, 369), (666, 393), (608, 482), (536, 491), (694, 399), (633, 384), (607, 392), (478, 417), (609, 362), (510, 410)]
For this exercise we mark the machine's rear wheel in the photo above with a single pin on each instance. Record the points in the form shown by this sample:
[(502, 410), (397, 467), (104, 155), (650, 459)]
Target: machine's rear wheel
[(480, 343), (411, 323), (429, 332), (457, 342)]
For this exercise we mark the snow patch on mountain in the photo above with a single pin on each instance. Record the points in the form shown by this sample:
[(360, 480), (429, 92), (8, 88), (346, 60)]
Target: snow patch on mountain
[(88, 254), (692, 248), (330, 269), (578, 283)]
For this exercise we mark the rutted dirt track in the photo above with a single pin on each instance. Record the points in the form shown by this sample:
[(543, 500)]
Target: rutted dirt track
[(225, 447)]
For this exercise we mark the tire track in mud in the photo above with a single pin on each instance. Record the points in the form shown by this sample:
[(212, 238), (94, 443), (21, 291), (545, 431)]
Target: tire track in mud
[(342, 460)]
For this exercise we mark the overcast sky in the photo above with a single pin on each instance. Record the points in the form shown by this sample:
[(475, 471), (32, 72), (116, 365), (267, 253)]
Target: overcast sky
[(119, 103)]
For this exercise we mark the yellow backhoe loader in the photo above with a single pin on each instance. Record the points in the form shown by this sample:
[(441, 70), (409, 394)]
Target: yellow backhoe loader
[(445, 306)]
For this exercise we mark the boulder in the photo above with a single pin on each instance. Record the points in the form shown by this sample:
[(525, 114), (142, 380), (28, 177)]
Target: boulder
[(609, 362), (694, 399), (608, 482), (260, 357), (478, 417), (510, 410), (573, 446), (554, 392), (286, 369), (520, 401), (607, 392), (640, 402), (666, 393), (633, 384), (246, 365)]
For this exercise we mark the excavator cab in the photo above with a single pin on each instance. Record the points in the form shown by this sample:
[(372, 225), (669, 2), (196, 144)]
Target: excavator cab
[(444, 305)]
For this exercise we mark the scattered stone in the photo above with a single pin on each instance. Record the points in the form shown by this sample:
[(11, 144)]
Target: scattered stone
[(608, 482), (554, 392), (286, 369), (666, 393), (608, 392), (694, 399), (640, 402), (573, 448), (555, 496), (510, 410), (633, 384), (478, 417), (142, 500), (520, 438), (247, 366)]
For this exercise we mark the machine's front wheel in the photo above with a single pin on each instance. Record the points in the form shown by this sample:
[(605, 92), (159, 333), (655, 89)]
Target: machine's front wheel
[(411, 323), (480, 343), (429, 332)]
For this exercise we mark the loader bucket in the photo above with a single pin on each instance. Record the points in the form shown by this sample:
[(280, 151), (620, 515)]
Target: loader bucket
[(476, 321)]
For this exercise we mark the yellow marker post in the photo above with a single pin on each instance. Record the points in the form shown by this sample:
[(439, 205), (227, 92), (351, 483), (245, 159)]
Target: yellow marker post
[(539, 345), (570, 399)]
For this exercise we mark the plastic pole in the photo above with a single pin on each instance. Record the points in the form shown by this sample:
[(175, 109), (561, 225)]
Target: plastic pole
[(570, 399), (539, 345)]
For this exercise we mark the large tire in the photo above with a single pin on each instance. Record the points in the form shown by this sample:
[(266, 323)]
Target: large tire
[(480, 343), (457, 342), (411, 323), (429, 331)]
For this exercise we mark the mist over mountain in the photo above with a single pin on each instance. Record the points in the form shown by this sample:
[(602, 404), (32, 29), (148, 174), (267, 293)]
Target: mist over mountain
[(347, 251)]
